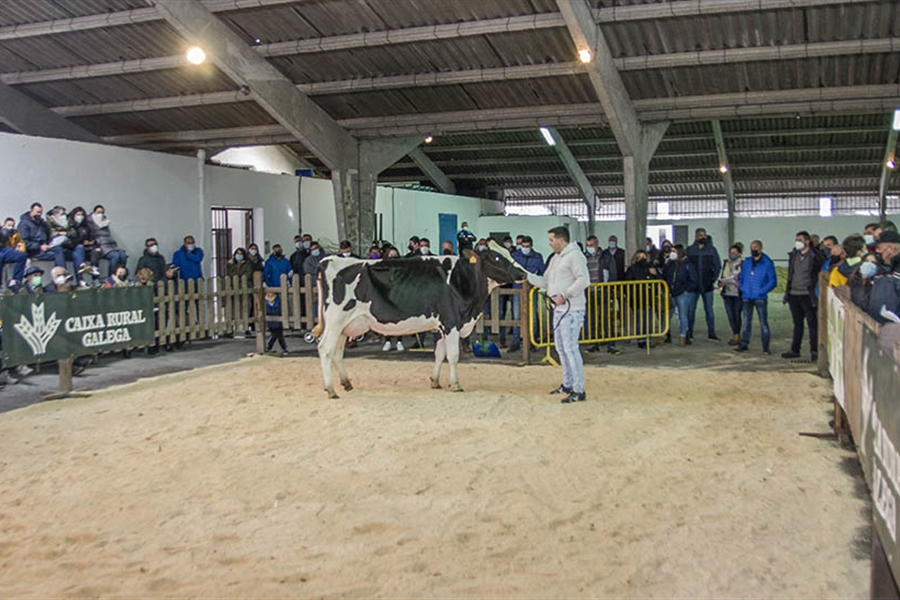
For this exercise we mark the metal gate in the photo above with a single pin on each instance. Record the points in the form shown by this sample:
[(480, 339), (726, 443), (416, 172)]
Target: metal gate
[(225, 223)]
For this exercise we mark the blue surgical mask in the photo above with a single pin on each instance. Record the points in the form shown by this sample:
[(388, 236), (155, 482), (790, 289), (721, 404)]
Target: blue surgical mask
[(36, 281), (306, 245), (591, 250), (868, 270), (316, 252), (526, 251), (191, 247), (238, 257), (298, 245), (612, 245)]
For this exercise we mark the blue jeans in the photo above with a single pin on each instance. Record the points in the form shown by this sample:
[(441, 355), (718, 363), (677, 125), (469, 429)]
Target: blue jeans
[(116, 258), (733, 307), (707, 307), (682, 302), (10, 255), (56, 254), (566, 330), (76, 255), (762, 309)]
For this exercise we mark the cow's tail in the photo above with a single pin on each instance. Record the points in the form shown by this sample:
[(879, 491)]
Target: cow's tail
[(320, 320)]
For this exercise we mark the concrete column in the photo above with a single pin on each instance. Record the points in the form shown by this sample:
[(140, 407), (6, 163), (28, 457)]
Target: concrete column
[(637, 176)]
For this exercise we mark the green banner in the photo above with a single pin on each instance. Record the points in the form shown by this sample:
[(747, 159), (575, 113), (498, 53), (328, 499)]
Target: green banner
[(51, 326), (879, 441)]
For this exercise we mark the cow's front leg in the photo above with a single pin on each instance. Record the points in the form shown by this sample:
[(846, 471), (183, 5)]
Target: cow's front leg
[(339, 363), (452, 340), (327, 349), (440, 353)]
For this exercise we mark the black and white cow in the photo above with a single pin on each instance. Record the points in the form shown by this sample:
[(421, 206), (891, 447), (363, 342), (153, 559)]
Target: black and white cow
[(396, 297)]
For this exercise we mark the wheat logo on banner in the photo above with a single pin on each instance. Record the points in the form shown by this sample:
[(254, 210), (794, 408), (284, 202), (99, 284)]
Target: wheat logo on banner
[(38, 333)]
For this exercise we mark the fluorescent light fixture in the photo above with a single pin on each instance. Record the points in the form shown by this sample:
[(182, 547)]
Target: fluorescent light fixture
[(548, 136), (825, 206), (196, 55), (662, 210), (897, 120), (584, 55)]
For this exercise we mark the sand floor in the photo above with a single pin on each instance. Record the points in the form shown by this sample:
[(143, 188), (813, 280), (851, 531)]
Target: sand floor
[(244, 481)]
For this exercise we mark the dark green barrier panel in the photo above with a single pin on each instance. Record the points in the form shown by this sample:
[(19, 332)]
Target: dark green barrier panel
[(51, 326)]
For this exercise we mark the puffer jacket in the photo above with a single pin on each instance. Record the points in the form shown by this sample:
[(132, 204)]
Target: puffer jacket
[(680, 277), (885, 292), (155, 262), (34, 233), (757, 279), (78, 233), (707, 263), (240, 269), (101, 235)]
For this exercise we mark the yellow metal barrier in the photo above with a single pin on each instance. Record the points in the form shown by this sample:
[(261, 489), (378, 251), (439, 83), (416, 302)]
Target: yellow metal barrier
[(624, 310)]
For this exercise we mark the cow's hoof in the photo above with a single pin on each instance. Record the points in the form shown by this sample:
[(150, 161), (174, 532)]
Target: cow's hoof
[(347, 385), (332, 394), (435, 384)]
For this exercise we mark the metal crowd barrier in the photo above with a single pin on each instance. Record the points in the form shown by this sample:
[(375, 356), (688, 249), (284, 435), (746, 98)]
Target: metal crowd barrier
[(624, 310)]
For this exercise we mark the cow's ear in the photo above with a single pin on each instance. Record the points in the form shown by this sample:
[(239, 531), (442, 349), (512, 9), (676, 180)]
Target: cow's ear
[(470, 255)]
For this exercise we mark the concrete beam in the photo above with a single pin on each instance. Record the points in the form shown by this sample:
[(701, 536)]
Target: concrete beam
[(890, 152), (726, 178), (576, 173), (32, 118), (299, 115), (605, 78), (432, 171)]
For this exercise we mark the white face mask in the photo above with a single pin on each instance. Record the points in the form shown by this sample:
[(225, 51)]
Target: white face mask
[(591, 250), (870, 239), (647, 248), (254, 252), (154, 249), (526, 251), (63, 220), (298, 245), (424, 249), (673, 255), (798, 246), (481, 248), (345, 254), (60, 280), (79, 219)]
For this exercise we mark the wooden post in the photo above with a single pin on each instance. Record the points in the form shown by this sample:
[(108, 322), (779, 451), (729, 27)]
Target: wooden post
[(525, 321), (210, 324), (824, 290), (309, 293), (259, 304), (65, 375), (283, 291), (296, 290)]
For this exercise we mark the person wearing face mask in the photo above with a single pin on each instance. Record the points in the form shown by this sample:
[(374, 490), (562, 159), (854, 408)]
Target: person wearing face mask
[(255, 258), (465, 239), (602, 269), (446, 248), (34, 280), (9, 254), (189, 259), (119, 279), (238, 266), (617, 254), (13, 238), (36, 234), (680, 277), (532, 261), (731, 294), (153, 260), (869, 236), (804, 264), (346, 250), (58, 225), (651, 250), (105, 246), (79, 246), (311, 264), (755, 280), (413, 246), (425, 247), (705, 258), (301, 251), (852, 249), (641, 269), (276, 266), (481, 246), (885, 292)]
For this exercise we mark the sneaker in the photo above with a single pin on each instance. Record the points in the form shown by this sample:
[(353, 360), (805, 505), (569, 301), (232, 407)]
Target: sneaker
[(23, 370), (12, 285), (593, 348), (712, 337), (95, 272), (613, 350), (400, 347), (387, 347), (83, 284), (562, 390), (85, 268), (740, 348), (574, 397), (790, 354), (766, 352), (77, 370)]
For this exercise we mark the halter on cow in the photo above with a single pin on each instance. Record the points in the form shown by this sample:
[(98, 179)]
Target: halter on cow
[(397, 297)]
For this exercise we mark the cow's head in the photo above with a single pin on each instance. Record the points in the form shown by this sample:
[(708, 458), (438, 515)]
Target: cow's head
[(499, 265)]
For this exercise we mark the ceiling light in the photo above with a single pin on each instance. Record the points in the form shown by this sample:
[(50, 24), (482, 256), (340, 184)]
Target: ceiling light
[(429, 139), (548, 136), (897, 120), (584, 55), (891, 163), (257, 41), (196, 55), (723, 168)]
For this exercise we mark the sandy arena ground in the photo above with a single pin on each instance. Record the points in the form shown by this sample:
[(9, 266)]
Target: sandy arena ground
[(245, 481)]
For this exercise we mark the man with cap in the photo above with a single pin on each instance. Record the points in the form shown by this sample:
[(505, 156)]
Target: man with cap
[(885, 292), (34, 280)]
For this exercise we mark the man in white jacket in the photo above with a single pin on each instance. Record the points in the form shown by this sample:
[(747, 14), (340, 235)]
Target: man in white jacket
[(565, 280)]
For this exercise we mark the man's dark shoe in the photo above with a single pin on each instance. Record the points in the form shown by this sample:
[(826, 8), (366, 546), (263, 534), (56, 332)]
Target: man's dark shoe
[(515, 347), (593, 348), (790, 354), (613, 350), (562, 390), (814, 356), (574, 397), (740, 348), (713, 337)]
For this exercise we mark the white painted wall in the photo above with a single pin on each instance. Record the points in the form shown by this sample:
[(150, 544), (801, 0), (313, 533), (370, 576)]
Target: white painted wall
[(264, 159)]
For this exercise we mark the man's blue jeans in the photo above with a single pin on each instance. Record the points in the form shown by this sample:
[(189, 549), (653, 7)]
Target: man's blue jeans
[(707, 307), (76, 255), (11, 255), (762, 309)]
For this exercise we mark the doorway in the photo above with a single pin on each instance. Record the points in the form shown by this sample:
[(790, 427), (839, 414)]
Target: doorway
[(231, 228), (658, 233), (447, 230)]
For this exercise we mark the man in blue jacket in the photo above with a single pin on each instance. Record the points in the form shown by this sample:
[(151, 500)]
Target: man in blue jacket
[(189, 260), (36, 235), (707, 264), (532, 261), (756, 279), (276, 266)]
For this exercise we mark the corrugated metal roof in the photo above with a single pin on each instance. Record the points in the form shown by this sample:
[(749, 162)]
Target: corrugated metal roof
[(240, 114), (14, 12)]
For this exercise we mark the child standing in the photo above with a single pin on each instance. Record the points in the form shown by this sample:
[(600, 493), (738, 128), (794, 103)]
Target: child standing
[(276, 328)]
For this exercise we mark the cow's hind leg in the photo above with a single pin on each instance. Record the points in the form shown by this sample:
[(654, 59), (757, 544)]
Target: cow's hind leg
[(339, 363), (452, 341), (440, 353), (328, 347)]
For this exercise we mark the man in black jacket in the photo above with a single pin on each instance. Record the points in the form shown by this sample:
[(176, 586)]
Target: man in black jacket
[(301, 245), (152, 260), (804, 264), (885, 292), (704, 257)]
